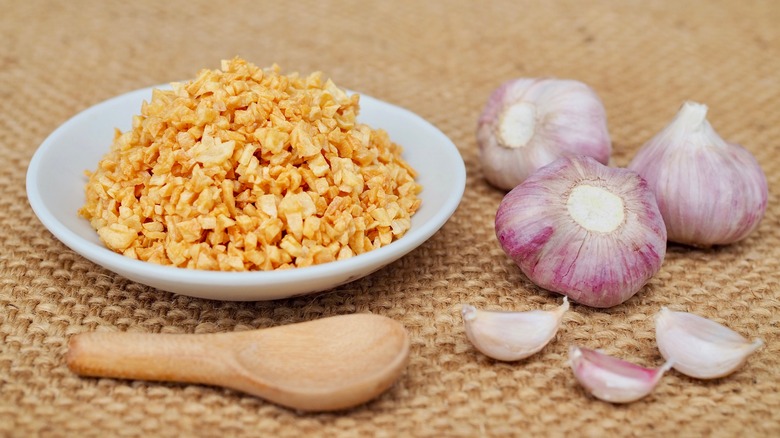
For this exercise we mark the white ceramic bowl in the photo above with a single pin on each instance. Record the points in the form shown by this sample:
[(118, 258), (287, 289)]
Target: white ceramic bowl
[(55, 189)]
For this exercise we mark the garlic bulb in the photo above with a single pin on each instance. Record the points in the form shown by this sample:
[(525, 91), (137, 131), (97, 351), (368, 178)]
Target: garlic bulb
[(611, 379), (529, 123), (584, 230), (511, 336), (710, 192), (700, 347)]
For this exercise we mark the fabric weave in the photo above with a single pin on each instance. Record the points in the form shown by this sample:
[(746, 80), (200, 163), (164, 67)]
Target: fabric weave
[(440, 60)]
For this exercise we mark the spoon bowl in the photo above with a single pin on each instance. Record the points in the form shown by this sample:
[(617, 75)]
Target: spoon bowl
[(322, 365)]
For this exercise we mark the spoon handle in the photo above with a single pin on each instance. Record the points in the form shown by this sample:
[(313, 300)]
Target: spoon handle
[(167, 357)]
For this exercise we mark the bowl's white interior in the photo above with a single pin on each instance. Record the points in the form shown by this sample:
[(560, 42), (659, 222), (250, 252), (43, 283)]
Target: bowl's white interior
[(55, 186)]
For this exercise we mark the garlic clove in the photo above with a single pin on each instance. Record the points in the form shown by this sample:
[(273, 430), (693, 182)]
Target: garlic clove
[(584, 230), (529, 123), (709, 191), (701, 348), (511, 336), (613, 380)]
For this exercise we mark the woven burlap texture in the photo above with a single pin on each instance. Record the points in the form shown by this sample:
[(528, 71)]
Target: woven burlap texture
[(440, 60)]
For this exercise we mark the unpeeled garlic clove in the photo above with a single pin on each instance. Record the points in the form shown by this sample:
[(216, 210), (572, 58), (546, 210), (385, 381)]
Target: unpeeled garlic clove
[(511, 336), (585, 230), (701, 348), (529, 123), (613, 380), (709, 191)]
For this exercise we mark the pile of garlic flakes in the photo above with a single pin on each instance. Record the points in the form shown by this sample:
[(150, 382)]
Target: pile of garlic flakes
[(247, 169)]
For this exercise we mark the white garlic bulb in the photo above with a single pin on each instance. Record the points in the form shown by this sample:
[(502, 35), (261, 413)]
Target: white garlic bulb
[(511, 336), (611, 379), (699, 347), (529, 123), (709, 191), (588, 231)]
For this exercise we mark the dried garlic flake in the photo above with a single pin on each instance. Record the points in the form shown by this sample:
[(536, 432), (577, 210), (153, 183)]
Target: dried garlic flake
[(244, 168)]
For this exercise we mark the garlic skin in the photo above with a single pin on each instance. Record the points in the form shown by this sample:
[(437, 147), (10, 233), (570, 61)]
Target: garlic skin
[(613, 380), (709, 191), (529, 123), (511, 336), (701, 348), (584, 230)]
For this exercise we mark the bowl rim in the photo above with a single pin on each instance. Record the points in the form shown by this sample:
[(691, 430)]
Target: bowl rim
[(121, 264)]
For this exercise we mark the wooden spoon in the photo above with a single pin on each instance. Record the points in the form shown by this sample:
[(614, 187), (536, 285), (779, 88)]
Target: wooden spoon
[(321, 365)]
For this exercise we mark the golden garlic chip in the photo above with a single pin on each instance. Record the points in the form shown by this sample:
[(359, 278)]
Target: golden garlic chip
[(244, 168)]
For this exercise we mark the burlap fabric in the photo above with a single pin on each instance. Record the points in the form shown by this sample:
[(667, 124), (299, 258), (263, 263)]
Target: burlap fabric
[(440, 60)]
